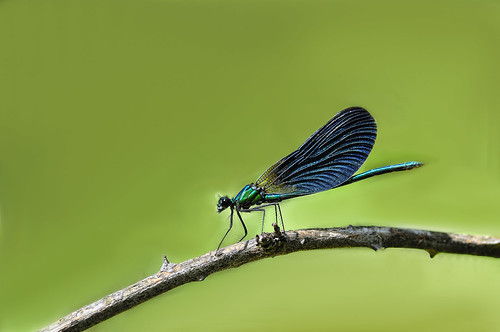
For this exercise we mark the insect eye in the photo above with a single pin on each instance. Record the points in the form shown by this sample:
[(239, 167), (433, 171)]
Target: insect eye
[(224, 202)]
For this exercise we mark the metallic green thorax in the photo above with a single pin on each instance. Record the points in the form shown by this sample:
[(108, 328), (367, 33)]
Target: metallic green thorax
[(253, 195), (248, 196)]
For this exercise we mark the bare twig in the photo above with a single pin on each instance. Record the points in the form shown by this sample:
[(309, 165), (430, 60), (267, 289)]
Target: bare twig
[(268, 245)]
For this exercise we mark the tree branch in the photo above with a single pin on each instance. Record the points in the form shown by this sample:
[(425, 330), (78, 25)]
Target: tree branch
[(269, 245)]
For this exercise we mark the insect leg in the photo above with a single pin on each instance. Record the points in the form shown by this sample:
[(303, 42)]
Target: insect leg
[(230, 226), (244, 227), (276, 209), (260, 208), (276, 214), (281, 217)]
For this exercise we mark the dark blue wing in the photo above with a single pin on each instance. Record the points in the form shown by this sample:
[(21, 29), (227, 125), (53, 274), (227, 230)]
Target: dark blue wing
[(326, 159)]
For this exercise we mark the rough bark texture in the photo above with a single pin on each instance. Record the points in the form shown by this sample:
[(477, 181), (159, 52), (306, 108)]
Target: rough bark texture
[(268, 245)]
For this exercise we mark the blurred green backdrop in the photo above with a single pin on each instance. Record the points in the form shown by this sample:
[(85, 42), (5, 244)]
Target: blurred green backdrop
[(121, 121)]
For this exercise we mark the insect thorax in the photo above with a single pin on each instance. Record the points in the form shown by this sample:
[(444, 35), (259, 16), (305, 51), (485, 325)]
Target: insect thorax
[(249, 195)]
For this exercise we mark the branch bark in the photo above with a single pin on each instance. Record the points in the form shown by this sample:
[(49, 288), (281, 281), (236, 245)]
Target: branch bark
[(269, 245)]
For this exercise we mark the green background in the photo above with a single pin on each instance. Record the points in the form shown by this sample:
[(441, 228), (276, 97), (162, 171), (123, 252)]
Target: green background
[(121, 121)]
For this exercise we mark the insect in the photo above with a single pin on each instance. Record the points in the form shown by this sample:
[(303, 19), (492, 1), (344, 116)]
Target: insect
[(327, 159)]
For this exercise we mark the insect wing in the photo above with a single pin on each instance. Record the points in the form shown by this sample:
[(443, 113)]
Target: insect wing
[(327, 158)]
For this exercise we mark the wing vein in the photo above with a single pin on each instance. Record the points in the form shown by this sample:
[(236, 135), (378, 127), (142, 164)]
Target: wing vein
[(330, 156)]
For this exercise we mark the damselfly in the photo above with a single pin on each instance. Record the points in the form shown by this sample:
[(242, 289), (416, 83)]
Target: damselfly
[(327, 159)]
